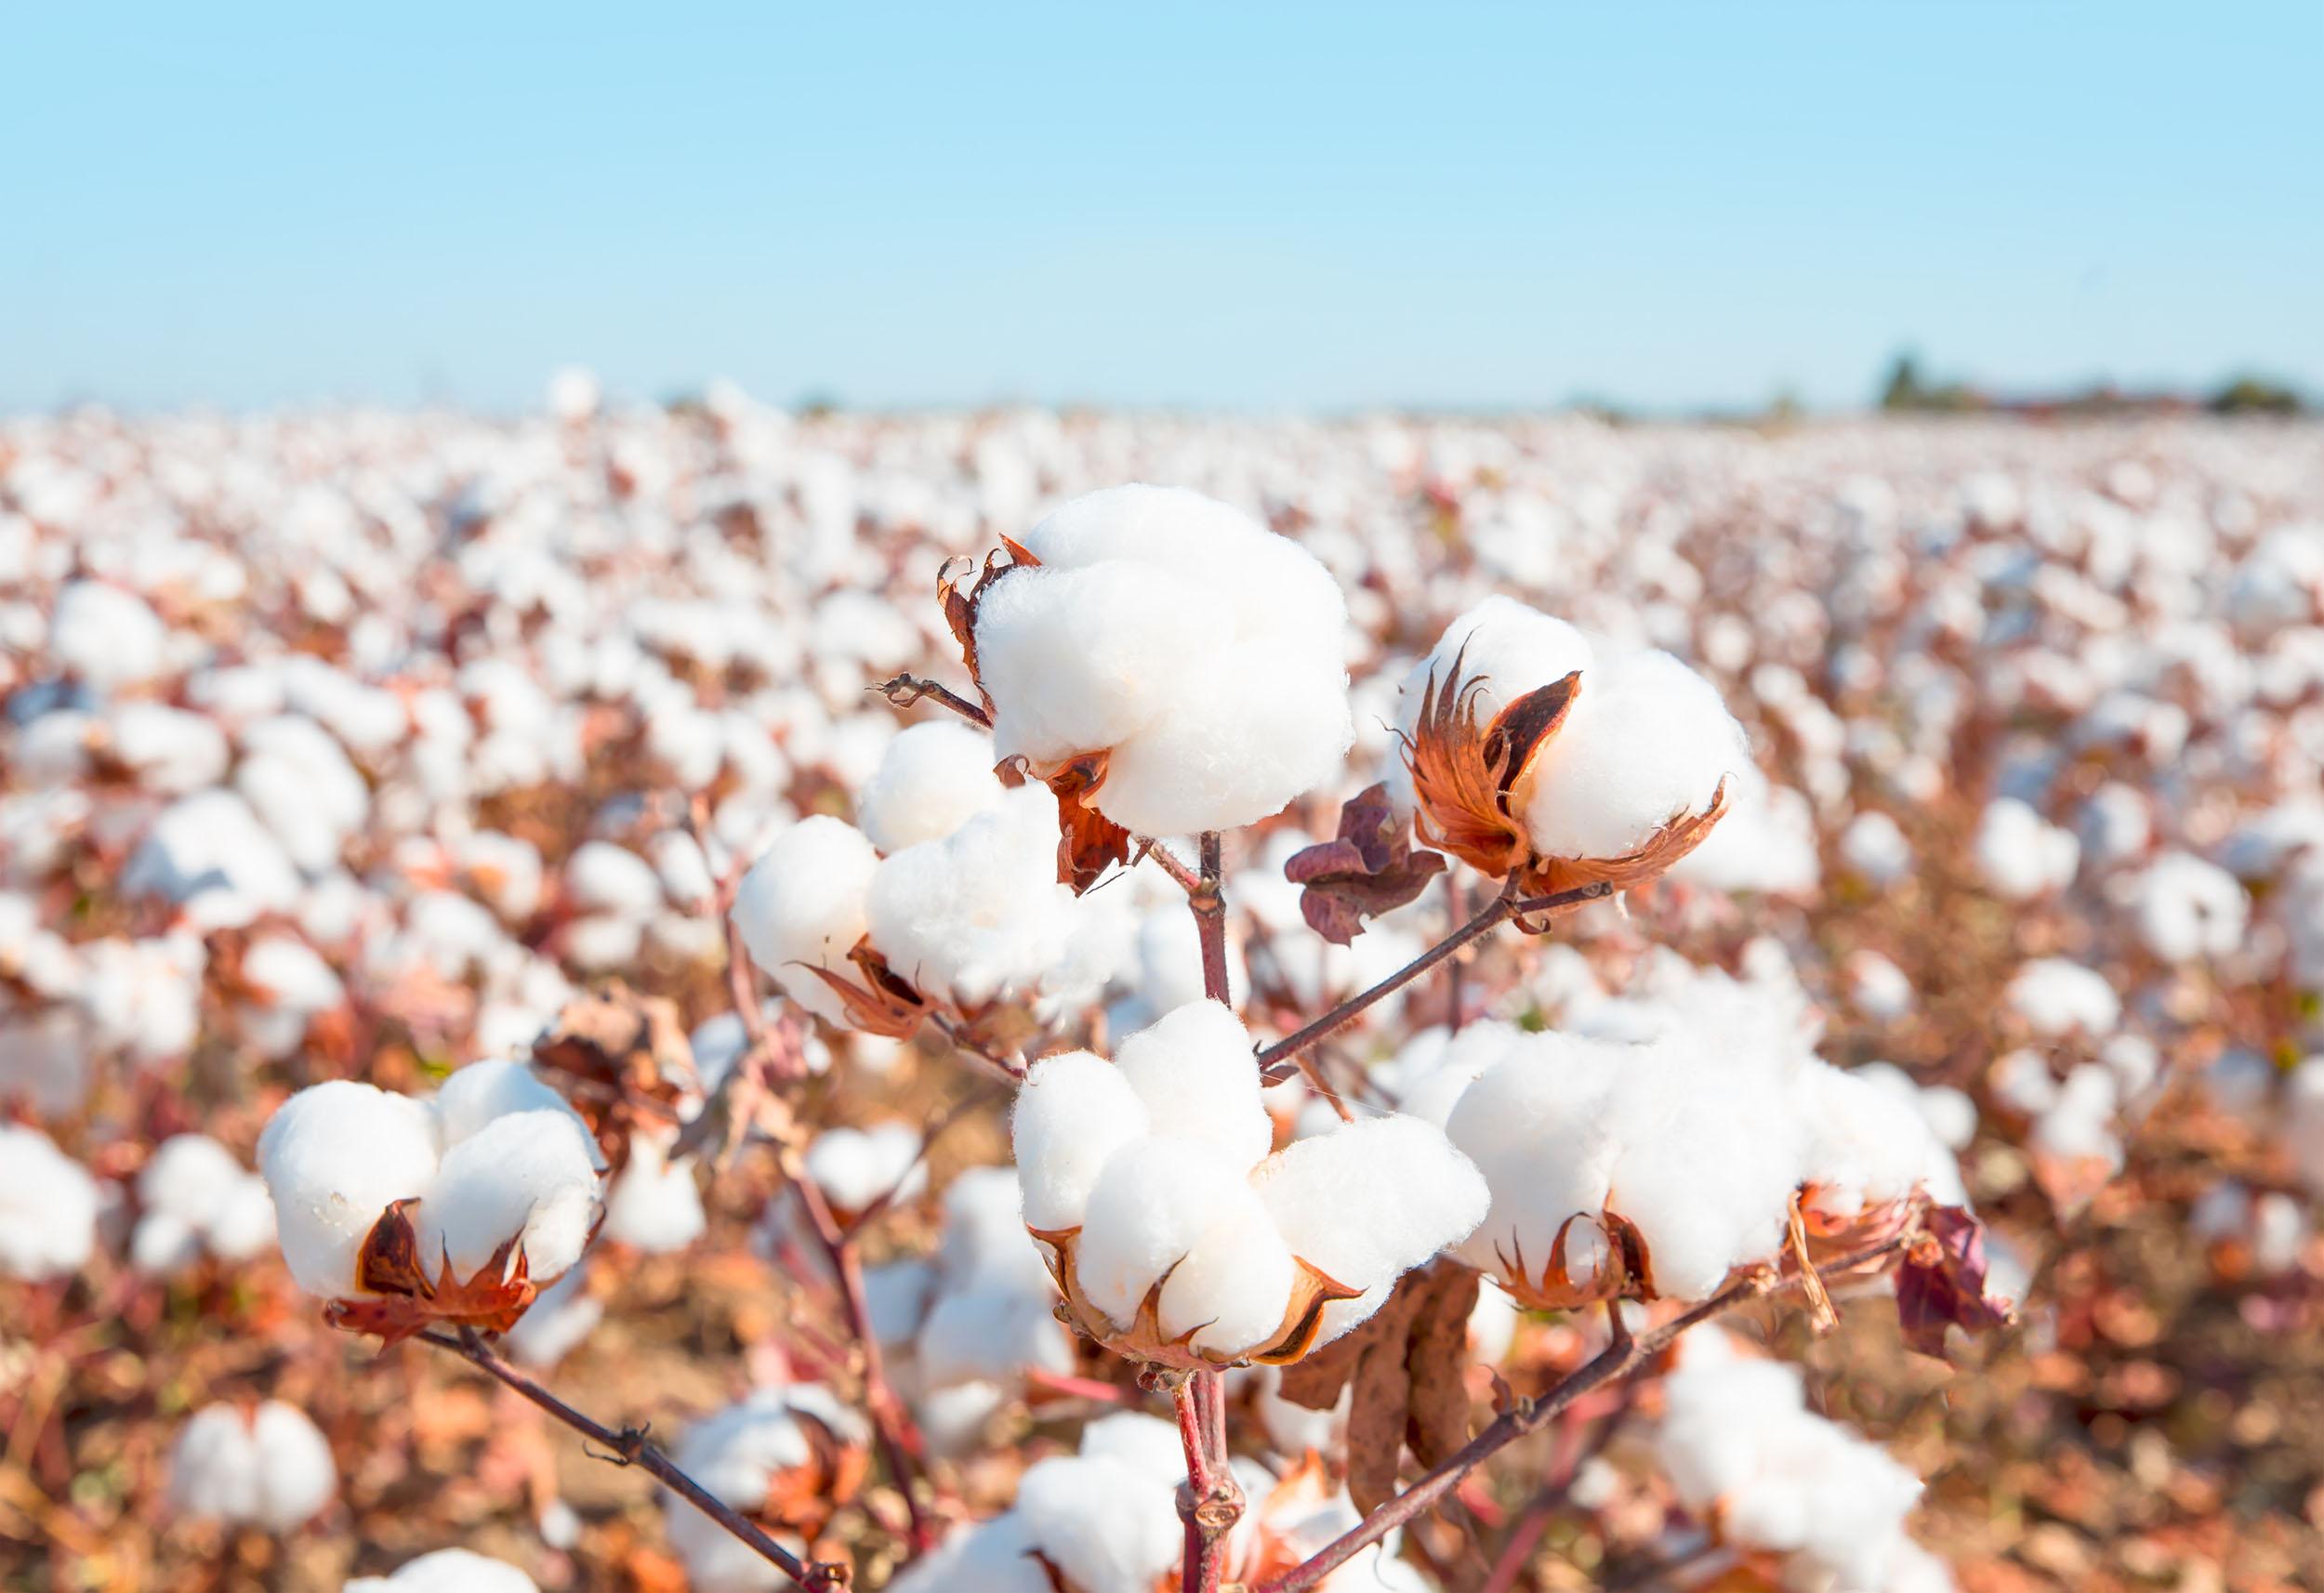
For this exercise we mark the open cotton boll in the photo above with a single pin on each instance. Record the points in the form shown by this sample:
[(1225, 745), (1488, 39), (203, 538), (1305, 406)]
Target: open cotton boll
[(855, 1166), (1150, 1206), (529, 1177), (1875, 849), (2188, 908), (933, 778), (2021, 854), (992, 1557), (448, 1571), (735, 1454), (1196, 1073), (801, 906), (48, 1207), (105, 636), (1869, 1145), (335, 1156), (1231, 1289), (978, 915), (1107, 1526), (1505, 649), (603, 877), (2057, 997), (1368, 1202), (195, 1194), (1072, 1113), (473, 1095), (1534, 1125), (654, 1205), (990, 1334), (271, 1467), (1647, 741)]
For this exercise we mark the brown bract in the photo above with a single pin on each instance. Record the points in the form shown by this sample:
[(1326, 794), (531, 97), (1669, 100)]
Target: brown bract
[(885, 1003), (1311, 1290), (1370, 868), (400, 1299), (1466, 778), (1088, 842), (1623, 1270), (803, 1498), (961, 598), (621, 1059)]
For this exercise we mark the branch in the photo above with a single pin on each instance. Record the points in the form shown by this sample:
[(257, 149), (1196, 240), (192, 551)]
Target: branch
[(1278, 1062), (905, 690), (1617, 1360), (628, 1447)]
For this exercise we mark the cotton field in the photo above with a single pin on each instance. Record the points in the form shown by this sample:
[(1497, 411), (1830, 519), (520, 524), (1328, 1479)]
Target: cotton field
[(709, 998)]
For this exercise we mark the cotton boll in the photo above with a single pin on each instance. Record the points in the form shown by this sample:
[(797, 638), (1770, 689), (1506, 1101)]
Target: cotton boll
[(735, 1454), (296, 1475), (654, 1205), (2055, 996), (335, 1156), (992, 1557), (1232, 1289), (1877, 986), (1072, 1113), (933, 778), (2188, 909), (2022, 855), (48, 1207), (1108, 1528), (603, 877), (1534, 1126), (529, 1177), (803, 904), (270, 1468), (1150, 1206), (856, 1167), (1196, 1073), (448, 1571), (1504, 649), (105, 636), (978, 915), (1874, 849), (1646, 742), (472, 1096), (992, 1336), (194, 1195), (1869, 1146), (1370, 1201)]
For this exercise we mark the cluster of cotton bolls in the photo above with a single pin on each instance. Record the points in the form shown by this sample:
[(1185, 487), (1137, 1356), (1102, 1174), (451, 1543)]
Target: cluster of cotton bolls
[(266, 1466), (782, 1453), (1175, 1231), (1745, 1454)]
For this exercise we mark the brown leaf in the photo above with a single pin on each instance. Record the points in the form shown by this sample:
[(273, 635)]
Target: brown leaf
[(621, 1059), (1942, 1282), (404, 1299), (803, 1498), (1369, 869)]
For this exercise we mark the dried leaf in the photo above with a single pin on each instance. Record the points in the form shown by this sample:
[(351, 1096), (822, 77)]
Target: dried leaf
[(1369, 869), (404, 1299), (960, 606), (1088, 842), (1942, 1282), (621, 1059)]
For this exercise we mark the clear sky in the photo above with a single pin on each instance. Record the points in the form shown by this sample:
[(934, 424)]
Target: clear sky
[(1246, 206)]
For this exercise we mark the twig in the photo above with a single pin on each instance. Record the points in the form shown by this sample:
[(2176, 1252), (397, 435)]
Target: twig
[(1278, 1062), (630, 1447), (1616, 1360), (905, 690)]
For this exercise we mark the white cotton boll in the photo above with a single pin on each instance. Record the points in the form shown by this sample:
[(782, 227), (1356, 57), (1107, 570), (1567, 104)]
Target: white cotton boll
[(1877, 986), (1079, 660), (1711, 1196), (1150, 1206), (1505, 649), (290, 974), (48, 1207), (210, 854), (244, 1224), (1647, 741), (1196, 1071), (448, 1571), (190, 1177), (992, 1336), (529, 1177), (296, 1475), (978, 915), (2079, 1125), (1949, 1113), (170, 750), (1533, 1125), (734, 1454), (1875, 849), (933, 778), (2021, 854), (855, 1166), (559, 1319), (1368, 1202), (1148, 1445), (1108, 1527), (654, 1205), (984, 1242), (954, 1420), (2055, 996), (992, 1557), (1867, 1145), (271, 1469), (472, 1097), (1436, 1067), (335, 1156), (106, 635), (1232, 1289), (164, 1244), (1072, 1113), (896, 1300), (803, 903), (2188, 909), (603, 877), (683, 868)]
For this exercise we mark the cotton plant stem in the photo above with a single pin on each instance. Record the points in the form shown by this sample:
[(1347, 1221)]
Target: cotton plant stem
[(1280, 1061), (1617, 1360), (630, 1447), (1210, 1502)]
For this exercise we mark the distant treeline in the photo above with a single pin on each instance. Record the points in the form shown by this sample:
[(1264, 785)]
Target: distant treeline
[(1906, 389)]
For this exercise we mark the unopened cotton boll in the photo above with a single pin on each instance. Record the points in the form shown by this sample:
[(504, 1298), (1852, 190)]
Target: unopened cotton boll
[(1073, 1111), (335, 1157), (1200, 651), (528, 1178), (801, 906), (271, 1467), (1647, 742), (978, 915), (1196, 1073), (448, 1571), (933, 778), (48, 1207)]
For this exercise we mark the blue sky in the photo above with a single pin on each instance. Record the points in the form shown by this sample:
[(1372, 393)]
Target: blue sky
[(1246, 206)]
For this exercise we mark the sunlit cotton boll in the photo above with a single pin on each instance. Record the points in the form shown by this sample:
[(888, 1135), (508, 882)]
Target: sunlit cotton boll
[(106, 635), (1075, 1110), (736, 1454), (933, 778), (195, 1196), (1205, 653), (335, 1156), (978, 915), (529, 1178), (448, 1571), (48, 1207), (801, 906), (2021, 854), (270, 1468), (855, 1166), (2057, 997), (2188, 909)]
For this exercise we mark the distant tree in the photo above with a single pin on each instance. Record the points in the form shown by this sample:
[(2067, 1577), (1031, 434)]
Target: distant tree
[(2257, 395)]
